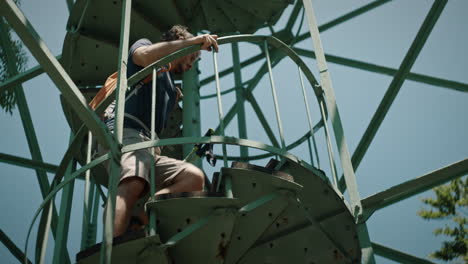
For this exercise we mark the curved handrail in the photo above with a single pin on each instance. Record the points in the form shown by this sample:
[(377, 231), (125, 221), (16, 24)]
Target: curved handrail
[(226, 40), (273, 41), (223, 40), (214, 94), (53, 192), (296, 143)]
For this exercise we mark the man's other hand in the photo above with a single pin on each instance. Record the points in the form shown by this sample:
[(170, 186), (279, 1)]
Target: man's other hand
[(208, 41)]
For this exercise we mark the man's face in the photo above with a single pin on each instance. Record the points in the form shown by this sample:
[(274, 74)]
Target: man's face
[(184, 64)]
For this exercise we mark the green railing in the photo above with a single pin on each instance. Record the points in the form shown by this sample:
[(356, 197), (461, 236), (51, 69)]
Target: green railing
[(302, 70)]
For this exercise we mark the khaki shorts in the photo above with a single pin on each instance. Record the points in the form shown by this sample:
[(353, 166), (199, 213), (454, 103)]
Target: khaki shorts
[(138, 163)]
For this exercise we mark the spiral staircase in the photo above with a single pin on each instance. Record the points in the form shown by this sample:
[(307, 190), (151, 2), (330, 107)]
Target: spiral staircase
[(290, 215), (285, 212)]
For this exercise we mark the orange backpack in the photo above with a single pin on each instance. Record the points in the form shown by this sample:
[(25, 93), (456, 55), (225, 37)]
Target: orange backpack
[(111, 84)]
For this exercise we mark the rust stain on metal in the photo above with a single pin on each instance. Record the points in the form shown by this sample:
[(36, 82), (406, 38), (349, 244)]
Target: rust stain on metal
[(337, 255), (222, 250)]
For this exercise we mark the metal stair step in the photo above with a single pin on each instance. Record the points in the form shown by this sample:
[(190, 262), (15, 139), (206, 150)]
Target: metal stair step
[(269, 220), (307, 245), (316, 188), (243, 21), (196, 228), (269, 169), (251, 224), (249, 185), (263, 194), (321, 214), (215, 18), (268, 11), (164, 14), (94, 28), (128, 248), (85, 58), (193, 14), (101, 20)]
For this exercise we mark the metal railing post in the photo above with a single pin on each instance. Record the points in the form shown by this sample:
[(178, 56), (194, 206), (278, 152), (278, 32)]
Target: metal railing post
[(228, 185), (60, 247), (241, 123), (275, 98), (191, 109), (152, 216), (331, 157), (115, 169), (309, 119), (86, 211)]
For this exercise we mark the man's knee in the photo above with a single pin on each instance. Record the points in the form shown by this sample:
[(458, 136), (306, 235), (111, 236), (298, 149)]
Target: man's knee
[(130, 189), (196, 176)]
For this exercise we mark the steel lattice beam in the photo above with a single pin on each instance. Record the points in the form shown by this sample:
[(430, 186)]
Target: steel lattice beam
[(334, 116), (346, 17), (261, 117), (54, 69), (397, 256), (454, 85), (322, 28), (275, 57), (63, 225), (241, 118), (115, 169), (28, 163), (23, 77), (396, 84), (414, 186), (19, 255), (230, 115), (28, 126), (69, 4)]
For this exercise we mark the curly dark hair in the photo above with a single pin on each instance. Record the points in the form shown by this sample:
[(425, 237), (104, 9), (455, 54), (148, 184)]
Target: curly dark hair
[(175, 33), (178, 32)]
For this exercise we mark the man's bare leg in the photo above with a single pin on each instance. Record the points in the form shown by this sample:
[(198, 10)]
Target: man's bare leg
[(190, 180), (128, 193)]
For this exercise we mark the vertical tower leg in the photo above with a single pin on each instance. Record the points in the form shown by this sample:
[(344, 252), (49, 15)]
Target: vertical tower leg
[(240, 99), (350, 177), (64, 217), (191, 109)]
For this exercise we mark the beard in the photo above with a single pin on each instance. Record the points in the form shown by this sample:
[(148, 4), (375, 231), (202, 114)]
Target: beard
[(178, 69)]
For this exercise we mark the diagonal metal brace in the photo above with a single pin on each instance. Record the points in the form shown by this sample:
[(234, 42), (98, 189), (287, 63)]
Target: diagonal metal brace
[(56, 72), (413, 187), (395, 85), (398, 256)]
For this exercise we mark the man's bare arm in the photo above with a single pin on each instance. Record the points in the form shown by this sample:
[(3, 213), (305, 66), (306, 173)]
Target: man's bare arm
[(144, 56)]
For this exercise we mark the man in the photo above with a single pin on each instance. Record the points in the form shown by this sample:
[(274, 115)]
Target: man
[(172, 175)]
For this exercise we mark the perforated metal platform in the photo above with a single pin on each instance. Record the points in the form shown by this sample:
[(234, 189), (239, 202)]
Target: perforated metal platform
[(288, 216), (93, 28)]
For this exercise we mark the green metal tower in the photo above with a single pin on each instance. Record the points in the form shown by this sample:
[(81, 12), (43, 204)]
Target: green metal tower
[(264, 204)]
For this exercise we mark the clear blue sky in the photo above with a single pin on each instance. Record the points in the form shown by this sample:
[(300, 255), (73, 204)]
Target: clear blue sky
[(425, 129)]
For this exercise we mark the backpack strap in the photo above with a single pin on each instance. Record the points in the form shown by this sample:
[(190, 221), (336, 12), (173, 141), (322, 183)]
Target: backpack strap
[(111, 83)]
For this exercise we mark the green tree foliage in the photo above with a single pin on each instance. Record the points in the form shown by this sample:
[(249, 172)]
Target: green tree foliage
[(451, 203), (11, 53)]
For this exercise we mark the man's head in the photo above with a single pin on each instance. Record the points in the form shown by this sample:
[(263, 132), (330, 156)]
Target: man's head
[(181, 64)]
